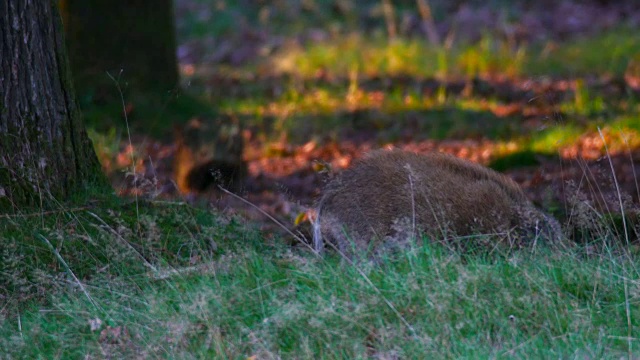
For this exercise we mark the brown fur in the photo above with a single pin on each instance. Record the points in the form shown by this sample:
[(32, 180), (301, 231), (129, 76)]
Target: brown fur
[(390, 196)]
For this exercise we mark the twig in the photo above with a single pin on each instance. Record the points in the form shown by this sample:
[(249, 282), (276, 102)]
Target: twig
[(633, 168), (414, 234), (126, 122), (20, 325), (389, 16), (427, 21)]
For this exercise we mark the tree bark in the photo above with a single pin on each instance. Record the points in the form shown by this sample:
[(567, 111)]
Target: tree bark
[(45, 152), (135, 36)]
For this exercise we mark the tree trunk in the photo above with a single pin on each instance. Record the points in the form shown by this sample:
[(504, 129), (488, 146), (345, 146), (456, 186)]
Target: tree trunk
[(135, 36), (45, 152)]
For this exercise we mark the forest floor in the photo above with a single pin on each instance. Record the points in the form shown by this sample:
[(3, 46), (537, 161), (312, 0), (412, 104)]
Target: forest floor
[(548, 93), (542, 97)]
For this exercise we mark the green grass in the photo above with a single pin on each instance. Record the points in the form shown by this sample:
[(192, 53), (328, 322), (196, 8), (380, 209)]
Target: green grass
[(106, 239), (400, 57), (122, 279), (606, 53), (609, 53), (154, 284), (555, 137)]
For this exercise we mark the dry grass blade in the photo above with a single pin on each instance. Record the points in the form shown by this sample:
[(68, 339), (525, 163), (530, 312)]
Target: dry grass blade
[(114, 232), (126, 122), (275, 221), (615, 181), (70, 272)]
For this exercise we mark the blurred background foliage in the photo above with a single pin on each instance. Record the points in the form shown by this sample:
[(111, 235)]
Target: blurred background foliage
[(506, 83)]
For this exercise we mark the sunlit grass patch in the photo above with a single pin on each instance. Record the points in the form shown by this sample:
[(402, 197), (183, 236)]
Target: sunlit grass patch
[(609, 53), (409, 57), (618, 136), (627, 123), (555, 137), (606, 53), (389, 118)]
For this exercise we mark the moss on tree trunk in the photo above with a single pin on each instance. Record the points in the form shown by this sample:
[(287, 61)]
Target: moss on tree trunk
[(45, 152)]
